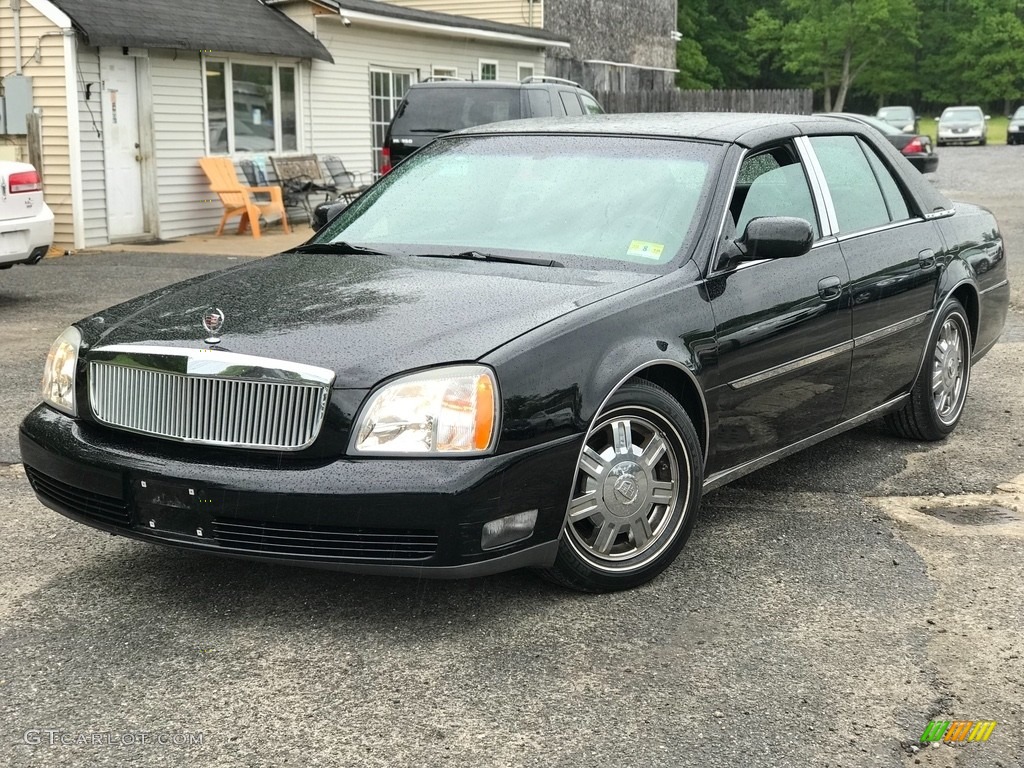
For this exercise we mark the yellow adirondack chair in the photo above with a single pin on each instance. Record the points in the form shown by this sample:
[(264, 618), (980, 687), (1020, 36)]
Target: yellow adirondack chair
[(239, 199)]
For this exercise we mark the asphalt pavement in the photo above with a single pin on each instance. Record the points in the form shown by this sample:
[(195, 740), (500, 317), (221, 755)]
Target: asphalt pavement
[(824, 611)]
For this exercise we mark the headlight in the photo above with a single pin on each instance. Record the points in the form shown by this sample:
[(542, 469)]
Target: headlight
[(59, 374), (443, 411), (908, 128)]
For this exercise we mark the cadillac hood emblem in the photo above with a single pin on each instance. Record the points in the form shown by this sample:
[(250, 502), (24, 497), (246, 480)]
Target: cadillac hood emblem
[(213, 321)]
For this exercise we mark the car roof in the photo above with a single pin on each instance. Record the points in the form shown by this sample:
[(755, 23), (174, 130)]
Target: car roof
[(492, 84), (748, 130), (745, 129)]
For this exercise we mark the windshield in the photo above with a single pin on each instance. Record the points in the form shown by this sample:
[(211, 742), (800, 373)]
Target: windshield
[(634, 201), (1019, 114), (897, 113), (971, 114), (440, 109)]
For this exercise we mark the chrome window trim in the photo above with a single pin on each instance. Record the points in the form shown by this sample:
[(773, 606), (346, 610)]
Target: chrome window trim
[(889, 330), (212, 363), (819, 188), (792, 365), (881, 228), (713, 265)]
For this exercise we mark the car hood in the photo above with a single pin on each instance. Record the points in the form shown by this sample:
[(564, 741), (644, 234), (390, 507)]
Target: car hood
[(364, 317)]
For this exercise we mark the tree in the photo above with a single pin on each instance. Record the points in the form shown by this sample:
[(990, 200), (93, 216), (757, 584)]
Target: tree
[(834, 42)]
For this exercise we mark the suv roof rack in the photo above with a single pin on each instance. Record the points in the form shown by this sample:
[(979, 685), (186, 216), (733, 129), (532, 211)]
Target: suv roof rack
[(440, 78), (547, 79)]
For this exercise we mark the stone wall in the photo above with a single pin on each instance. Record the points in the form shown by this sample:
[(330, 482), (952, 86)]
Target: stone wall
[(628, 31)]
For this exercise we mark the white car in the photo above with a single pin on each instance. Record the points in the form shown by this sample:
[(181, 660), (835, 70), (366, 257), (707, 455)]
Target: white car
[(962, 125), (26, 221)]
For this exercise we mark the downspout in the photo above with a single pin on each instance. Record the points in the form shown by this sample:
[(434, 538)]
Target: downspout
[(16, 14)]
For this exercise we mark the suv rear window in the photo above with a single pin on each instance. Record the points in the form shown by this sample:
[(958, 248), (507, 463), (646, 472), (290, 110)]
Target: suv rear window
[(440, 110)]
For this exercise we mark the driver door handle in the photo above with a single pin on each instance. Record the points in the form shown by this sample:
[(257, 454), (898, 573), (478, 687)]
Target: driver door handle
[(830, 287)]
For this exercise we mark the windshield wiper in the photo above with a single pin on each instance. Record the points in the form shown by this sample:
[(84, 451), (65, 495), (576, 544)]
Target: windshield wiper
[(480, 256), (339, 248), (431, 130)]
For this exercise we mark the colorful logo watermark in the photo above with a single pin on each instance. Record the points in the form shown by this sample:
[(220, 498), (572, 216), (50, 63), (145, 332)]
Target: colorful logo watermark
[(958, 730)]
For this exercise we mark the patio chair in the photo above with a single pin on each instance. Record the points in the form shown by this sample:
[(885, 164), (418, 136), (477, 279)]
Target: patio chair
[(300, 177), (240, 200), (348, 185)]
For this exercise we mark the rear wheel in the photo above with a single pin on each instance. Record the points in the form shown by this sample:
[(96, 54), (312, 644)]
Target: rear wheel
[(937, 400), (635, 496)]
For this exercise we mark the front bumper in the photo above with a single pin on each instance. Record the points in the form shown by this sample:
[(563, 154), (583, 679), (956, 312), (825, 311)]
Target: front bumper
[(26, 240), (969, 137), (414, 517)]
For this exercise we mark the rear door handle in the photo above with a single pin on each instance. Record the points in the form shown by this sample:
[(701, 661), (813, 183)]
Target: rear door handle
[(926, 258), (830, 288)]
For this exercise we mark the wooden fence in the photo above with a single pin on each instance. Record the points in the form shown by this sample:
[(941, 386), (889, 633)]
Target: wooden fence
[(798, 102)]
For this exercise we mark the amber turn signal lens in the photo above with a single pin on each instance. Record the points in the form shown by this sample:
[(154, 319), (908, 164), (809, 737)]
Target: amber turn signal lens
[(484, 413)]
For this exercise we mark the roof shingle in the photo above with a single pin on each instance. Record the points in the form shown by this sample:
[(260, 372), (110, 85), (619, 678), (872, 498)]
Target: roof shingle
[(233, 26)]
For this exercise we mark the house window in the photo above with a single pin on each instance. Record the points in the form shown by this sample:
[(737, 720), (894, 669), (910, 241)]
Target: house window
[(488, 69), (387, 88), (444, 72), (251, 107), (525, 70)]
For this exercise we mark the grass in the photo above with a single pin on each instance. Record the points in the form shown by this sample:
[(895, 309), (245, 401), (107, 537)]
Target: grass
[(996, 128)]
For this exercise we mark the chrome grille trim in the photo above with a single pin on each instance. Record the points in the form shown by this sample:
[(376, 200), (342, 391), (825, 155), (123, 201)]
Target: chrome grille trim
[(158, 393)]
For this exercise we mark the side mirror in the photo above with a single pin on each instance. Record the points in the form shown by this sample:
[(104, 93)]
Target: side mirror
[(988, 117), (324, 212), (774, 237)]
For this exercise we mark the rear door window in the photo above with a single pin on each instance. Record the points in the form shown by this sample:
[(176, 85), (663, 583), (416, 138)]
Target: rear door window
[(855, 190), (540, 102), (571, 103)]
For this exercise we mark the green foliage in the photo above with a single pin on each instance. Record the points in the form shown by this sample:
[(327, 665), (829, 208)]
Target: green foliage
[(923, 52)]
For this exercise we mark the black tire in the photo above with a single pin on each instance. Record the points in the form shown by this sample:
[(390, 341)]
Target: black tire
[(927, 416), (635, 496), (983, 142)]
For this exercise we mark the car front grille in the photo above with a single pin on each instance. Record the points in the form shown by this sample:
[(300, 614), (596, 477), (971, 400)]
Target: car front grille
[(105, 509), (209, 410), (324, 543)]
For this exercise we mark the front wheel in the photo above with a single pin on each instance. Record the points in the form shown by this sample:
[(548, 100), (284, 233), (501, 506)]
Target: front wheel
[(635, 496), (937, 399)]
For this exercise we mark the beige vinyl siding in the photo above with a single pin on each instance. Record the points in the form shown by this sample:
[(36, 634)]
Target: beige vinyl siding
[(50, 95), (90, 121), (186, 204), (341, 103), (507, 11)]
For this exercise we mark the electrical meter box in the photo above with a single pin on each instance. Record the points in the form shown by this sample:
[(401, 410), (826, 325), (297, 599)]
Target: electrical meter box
[(17, 104)]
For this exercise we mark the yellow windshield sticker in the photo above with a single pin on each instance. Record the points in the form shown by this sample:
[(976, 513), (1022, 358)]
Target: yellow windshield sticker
[(645, 250)]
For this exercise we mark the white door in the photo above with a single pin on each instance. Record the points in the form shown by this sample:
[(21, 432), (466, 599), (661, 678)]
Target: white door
[(122, 156)]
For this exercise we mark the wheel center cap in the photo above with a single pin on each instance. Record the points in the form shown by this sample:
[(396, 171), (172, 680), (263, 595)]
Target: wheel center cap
[(625, 489)]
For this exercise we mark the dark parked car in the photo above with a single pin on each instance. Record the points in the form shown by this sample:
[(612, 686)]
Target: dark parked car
[(901, 118), (433, 108), (916, 148), (694, 296), (1015, 129)]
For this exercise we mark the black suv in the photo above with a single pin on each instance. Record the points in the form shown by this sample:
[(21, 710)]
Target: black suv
[(438, 106)]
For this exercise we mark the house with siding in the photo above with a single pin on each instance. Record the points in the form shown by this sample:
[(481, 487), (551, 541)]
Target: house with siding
[(131, 93), (614, 46)]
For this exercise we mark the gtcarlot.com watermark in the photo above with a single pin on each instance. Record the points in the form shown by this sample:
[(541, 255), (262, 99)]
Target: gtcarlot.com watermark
[(53, 737)]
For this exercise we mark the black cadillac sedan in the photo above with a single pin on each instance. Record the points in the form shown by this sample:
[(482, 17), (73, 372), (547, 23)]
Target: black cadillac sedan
[(694, 296)]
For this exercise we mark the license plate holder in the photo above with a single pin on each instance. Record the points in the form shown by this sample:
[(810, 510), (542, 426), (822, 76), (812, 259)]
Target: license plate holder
[(186, 510)]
